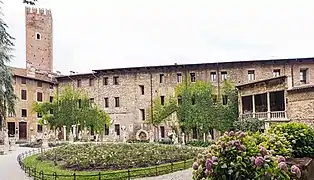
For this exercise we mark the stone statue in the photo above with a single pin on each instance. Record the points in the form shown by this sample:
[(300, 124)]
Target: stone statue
[(175, 138), (183, 138), (151, 136)]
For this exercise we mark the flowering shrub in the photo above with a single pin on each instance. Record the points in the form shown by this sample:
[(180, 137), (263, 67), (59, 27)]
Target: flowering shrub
[(238, 156), (116, 156), (301, 137), (278, 144)]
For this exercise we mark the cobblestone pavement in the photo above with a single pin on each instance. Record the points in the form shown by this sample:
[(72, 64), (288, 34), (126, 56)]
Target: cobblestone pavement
[(179, 175), (9, 167)]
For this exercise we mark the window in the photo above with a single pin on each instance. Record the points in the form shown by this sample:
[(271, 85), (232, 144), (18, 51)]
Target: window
[(179, 77), (214, 98), (39, 96), (11, 114), (39, 128), (23, 94), (179, 100), (116, 80), (105, 81), (142, 112), (39, 84), (106, 130), (106, 102), (276, 72), (24, 113), (251, 75), (194, 133), (162, 131), (161, 78), (38, 37), (51, 99), (213, 76), (224, 75), (303, 76), (117, 129), (50, 86), (79, 103), (192, 77), (79, 83), (142, 89), (91, 102), (224, 99), (117, 103), (39, 115), (23, 80), (162, 100), (91, 82)]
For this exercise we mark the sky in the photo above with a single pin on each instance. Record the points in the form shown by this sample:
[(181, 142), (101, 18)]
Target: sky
[(104, 34)]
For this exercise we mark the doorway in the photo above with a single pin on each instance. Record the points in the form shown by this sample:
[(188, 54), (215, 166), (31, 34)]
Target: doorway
[(22, 130), (11, 129)]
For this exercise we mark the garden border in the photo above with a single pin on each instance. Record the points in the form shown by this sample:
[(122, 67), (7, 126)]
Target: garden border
[(156, 170)]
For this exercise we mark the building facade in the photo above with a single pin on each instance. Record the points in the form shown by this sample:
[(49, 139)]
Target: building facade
[(277, 90)]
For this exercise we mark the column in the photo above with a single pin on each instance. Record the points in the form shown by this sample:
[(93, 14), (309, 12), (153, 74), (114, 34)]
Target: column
[(64, 133), (74, 131), (268, 105), (253, 105), (285, 101)]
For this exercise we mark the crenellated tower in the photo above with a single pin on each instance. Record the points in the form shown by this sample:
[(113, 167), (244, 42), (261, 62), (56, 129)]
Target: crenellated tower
[(39, 39)]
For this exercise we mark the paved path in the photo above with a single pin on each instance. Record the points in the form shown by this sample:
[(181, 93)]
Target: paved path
[(9, 167), (179, 175)]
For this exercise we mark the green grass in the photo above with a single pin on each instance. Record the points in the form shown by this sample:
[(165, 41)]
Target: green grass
[(52, 172)]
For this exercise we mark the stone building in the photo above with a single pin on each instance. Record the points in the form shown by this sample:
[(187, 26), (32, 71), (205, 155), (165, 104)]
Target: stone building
[(278, 90)]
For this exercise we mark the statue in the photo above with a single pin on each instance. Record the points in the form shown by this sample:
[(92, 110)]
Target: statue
[(175, 138), (151, 136), (183, 138)]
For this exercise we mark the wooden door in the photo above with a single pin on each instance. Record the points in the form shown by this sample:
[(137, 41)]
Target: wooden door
[(22, 130)]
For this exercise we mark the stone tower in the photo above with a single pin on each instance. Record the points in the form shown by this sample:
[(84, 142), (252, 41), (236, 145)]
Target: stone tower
[(39, 42)]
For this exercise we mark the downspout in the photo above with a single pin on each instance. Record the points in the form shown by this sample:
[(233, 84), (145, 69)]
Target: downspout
[(218, 81), (151, 101)]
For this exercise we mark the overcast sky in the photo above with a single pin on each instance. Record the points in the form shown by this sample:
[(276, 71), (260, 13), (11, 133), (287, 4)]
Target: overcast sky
[(127, 33)]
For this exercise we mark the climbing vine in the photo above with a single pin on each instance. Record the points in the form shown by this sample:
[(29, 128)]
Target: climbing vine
[(196, 107)]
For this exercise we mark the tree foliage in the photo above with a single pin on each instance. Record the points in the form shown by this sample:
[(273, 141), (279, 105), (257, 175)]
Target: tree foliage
[(72, 107), (196, 108), (250, 124), (7, 96)]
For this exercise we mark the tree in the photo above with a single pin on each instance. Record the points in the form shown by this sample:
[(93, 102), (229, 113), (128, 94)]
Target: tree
[(72, 107), (7, 96)]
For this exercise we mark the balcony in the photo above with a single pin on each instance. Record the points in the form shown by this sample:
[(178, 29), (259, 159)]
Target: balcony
[(268, 116)]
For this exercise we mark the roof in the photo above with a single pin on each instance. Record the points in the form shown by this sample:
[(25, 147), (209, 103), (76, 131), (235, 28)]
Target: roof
[(21, 72), (260, 81), (302, 87)]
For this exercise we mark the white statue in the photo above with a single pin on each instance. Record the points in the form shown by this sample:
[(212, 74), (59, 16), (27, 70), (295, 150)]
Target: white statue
[(151, 136)]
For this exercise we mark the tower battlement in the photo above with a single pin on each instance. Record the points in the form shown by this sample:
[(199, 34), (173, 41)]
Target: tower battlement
[(39, 11)]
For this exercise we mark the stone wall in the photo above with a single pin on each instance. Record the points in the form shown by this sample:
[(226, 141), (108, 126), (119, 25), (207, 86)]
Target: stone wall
[(301, 106)]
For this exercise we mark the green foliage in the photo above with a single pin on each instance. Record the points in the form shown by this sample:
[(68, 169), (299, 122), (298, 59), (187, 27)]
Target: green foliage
[(197, 108), (198, 143), (7, 96), (278, 144), (301, 137), (137, 141), (250, 124), (72, 107), (116, 156), (239, 156)]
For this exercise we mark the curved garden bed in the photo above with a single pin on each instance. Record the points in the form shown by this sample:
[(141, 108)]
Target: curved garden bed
[(111, 160)]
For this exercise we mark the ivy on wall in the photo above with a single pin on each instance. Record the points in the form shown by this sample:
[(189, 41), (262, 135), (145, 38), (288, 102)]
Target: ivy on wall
[(196, 107)]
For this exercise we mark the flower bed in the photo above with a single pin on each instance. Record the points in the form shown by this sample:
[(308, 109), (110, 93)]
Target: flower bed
[(116, 156)]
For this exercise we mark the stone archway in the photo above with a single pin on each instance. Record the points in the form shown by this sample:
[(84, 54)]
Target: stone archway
[(142, 135)]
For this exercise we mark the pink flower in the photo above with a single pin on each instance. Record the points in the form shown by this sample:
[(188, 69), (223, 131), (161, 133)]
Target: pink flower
[(283, 166), (195, 166), (296, 170), (215, 159), (259, 161), (208, 164), (207, 172), (263, 151), (231, 133), (242, 135), (281, 159)]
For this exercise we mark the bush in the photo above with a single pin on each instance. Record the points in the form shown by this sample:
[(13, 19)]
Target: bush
[(239, 156), (165, 141), (250, 124), (278, 144), (198, 143), (117, 156), (301, 137), (137, 141)]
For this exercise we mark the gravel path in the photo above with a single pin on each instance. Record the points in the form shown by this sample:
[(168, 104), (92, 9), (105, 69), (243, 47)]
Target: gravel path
[(179, 175), (9, 167)]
